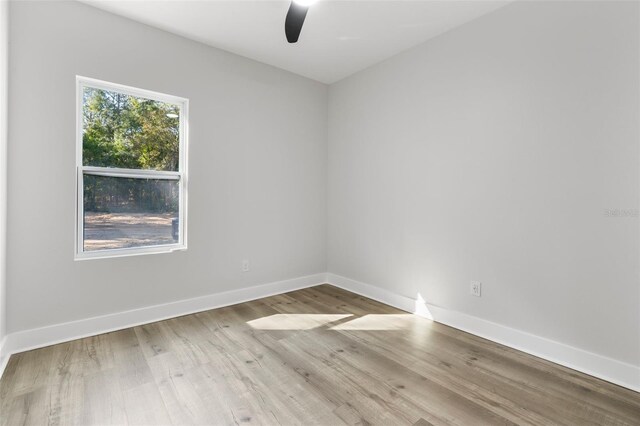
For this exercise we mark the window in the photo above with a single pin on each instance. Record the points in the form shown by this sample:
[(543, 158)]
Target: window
[(131, 171)]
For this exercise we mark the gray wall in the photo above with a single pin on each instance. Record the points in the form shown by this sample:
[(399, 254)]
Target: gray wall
[(4, 102), (491, 153), (257, 166)]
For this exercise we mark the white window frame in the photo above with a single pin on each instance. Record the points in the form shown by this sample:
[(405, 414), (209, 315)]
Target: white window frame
[(180, 175)]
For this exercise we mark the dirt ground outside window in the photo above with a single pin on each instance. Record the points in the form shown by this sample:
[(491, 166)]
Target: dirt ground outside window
[(122, 230)]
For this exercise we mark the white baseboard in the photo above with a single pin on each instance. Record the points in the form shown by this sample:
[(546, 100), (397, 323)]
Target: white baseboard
[(608, 369), (4, 357), (21, 341)]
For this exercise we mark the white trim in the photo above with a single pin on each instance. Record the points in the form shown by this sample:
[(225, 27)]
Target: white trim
[(79, 228), (4, 356), (605, 368), (130, 173), (183, 160), (26, 340), (81, 170), (130, 90), (130, 251), (611, 370)]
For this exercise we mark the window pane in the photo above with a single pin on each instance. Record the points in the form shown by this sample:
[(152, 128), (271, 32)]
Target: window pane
[(125, 212), (130, 132)]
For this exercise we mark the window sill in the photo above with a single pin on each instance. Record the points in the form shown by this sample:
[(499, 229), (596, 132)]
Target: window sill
[(126, 252)]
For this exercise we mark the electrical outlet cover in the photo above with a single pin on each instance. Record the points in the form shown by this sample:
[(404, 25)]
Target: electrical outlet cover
[(476, 288)]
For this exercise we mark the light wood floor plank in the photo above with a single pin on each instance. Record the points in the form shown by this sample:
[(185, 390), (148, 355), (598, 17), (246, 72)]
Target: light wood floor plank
[(320, 356)]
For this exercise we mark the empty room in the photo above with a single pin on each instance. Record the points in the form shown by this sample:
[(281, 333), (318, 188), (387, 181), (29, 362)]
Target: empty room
[(319, 212)]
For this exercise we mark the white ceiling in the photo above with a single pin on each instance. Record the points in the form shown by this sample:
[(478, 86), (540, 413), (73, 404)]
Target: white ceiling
[(339, 38)]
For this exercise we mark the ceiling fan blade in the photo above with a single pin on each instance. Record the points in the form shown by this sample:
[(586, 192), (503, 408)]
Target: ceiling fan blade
[(293, 22)]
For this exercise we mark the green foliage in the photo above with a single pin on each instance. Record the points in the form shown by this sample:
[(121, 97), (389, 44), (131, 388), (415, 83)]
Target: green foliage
[(134, 133), (129, 132)]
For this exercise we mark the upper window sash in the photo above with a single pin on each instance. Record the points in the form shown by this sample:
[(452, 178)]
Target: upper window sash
[(182, 104)]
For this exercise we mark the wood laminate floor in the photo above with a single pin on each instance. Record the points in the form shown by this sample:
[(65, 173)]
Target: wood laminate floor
[(316, 356)]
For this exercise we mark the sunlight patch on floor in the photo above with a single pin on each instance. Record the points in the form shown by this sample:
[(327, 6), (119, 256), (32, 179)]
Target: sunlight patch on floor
[(379, 322), (295, 321)]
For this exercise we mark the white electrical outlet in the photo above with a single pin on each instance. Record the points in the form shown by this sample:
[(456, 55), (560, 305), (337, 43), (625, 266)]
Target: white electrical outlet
[(476, 288), (245, 265)]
